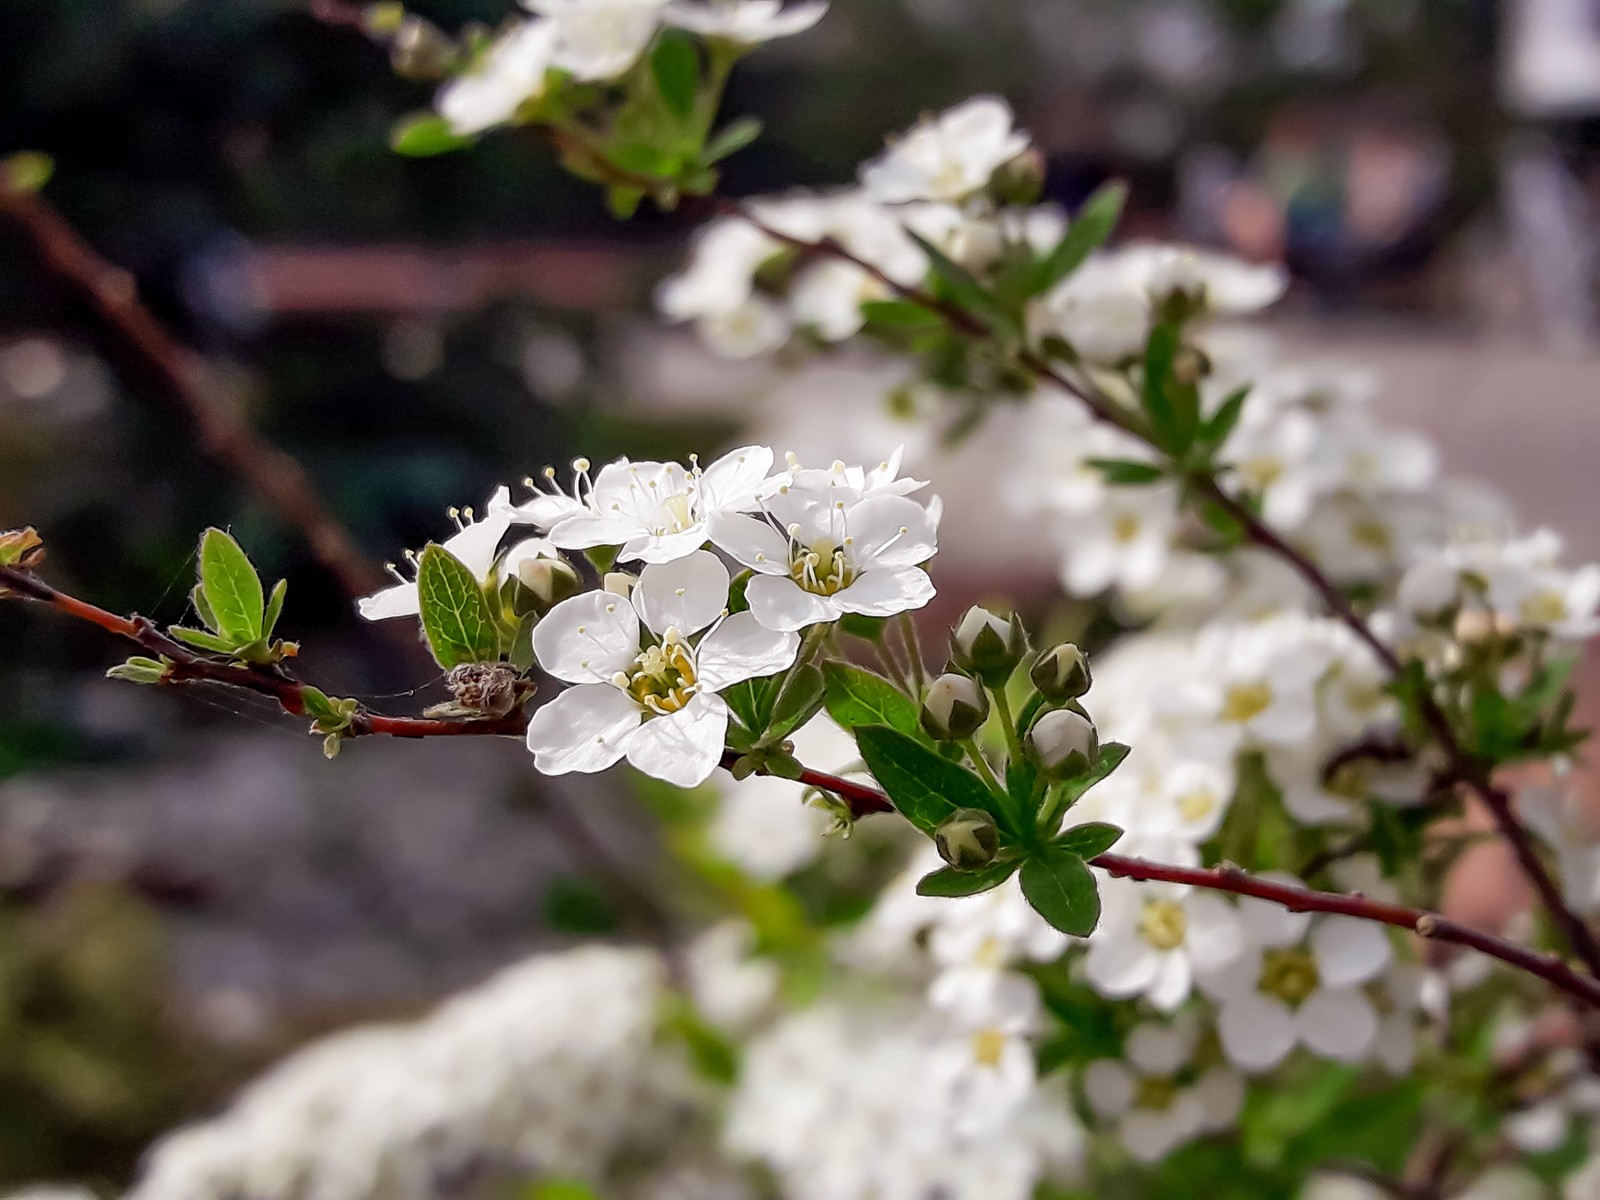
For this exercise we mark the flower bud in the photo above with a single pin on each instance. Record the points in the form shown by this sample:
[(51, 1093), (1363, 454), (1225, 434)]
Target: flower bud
[(1062, 673), (535, 577), (967, 839), (954, 708), (419, 49), (1020, 181), (1063, 742), (619, 583), (988, 647)]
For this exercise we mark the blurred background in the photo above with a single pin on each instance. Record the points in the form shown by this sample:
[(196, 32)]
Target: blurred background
[(186, 887)]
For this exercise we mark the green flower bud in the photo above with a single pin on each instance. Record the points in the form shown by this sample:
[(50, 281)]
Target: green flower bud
[(954, 708), (1062, 673), (967, 839), (619, 583), (1063, 742), (1020, 181), (988, 647)]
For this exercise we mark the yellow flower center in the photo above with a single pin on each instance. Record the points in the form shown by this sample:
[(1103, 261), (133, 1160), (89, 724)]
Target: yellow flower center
[(678, 514), (1155, 1092), (1261, 472), (1374, 535), (663, 678), (1351, 781), (1197, 805), (1290, 975), (1245, 701), (1544, 608), (1126, 527), (821, 568), (988, 1045), (1163, 924)]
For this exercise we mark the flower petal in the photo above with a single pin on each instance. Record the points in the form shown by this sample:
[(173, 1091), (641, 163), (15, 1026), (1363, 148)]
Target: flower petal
[(781, 603), (883, 593), (743, 648), (734, 480), (588, 638), (875, 528), (751, 541), (1348, 951), (1338, 1023), (398, 601), (1108, 1086), (667, 547), (585, 530), (684, 747), (586, 728), (1257, 1031), (686, 594)]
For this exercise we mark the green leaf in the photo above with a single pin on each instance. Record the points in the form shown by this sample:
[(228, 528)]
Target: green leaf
[(139, 670), (901, 316), (963, 288), (232, 587), (203, 641), (455, 614), (924, 787), (1160, 353), (675, 64), (1110, 758), (856, 697), (797, 703), (1221, 423), (1062, 891), (26, 171), (623, 202), (751, 701), (1125, 472), (274, 607), (1088, 840), (202, 607), (1087, 233), (947, 881), (732, 138), (423, 135)]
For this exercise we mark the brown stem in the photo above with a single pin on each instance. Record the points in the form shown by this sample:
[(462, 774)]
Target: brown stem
[(275, 477), (189, 666), (1461, 765)]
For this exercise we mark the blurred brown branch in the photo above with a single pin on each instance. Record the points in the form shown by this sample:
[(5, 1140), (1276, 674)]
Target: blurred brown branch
[(276, 478)]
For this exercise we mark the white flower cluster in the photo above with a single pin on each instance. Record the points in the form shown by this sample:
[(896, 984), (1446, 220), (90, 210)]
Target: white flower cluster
[(552, 1068), (593, 41), (648, 655)]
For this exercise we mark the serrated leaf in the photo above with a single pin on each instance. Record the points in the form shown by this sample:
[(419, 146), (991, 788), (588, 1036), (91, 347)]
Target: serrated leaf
[(675, 66), (856, 697), (950, 882), (924, 787), (730, 139), (1087, 233), (274, 607), (424, 135), (1124, 472), (1088, 840), (455, 614), (232, 587), (1061, 890), (1109, 759)]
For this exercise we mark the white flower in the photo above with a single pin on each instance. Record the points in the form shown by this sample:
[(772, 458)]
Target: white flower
[(745, 21), (475, 545), (1558, 816), (1226, 285), (1152, 935), (1154, 1095), (1286, 989), (731, 987), (1097, 310), (1259, 685), (651, 511), (723, 260), (1125, 542), (510, 73), (756, 327), (948, 157), (658, 706), (1558, 602), (824, 551), (599, 39)]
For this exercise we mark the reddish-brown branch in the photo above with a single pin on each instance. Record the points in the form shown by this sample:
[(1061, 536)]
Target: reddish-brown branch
[(275, 477), (1461, 765), (189, 666)]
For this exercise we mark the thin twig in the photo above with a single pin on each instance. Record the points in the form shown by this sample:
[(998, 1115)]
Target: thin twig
[(276, 478), (189, 666)]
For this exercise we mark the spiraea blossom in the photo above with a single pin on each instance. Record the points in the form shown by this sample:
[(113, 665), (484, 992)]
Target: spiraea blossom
[(823, 548), (1152, 935), (745, 21), (646, 671), (651, 511), (507, 75), (947, 157), (599, 39)]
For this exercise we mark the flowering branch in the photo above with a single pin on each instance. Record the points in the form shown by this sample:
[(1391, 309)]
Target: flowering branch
[(1460, 765), (280, 482)]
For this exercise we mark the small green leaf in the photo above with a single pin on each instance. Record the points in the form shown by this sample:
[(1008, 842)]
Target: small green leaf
[(900, 316), (232, 587), (455, 614), (139, 670), (752, 700), (800, 700), (1087, 233), (1125, 472), (947, 881), (623, 202), (675, 64), (1062, 891), (1160, 353), (965, 289), (732, 138), (924, 787), (424, 135), (202, 607), (1221, 423), (201, 640), (1088, 840), (856, 697), (274, 607), (1109, 759)]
